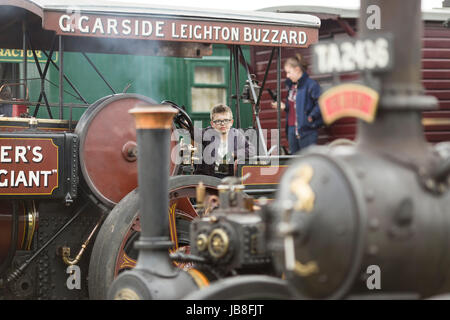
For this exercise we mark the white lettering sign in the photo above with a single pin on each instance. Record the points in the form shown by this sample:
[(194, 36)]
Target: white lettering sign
[(180, 30), (20, 154), (349, 56), (22, 178)]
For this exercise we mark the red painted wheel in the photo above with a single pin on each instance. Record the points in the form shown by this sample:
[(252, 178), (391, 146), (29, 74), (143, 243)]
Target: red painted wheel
[(14, 234), (108, 147), (113, 250)]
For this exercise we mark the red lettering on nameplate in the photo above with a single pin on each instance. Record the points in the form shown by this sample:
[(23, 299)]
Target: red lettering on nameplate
[(28, 166), (349, 100)]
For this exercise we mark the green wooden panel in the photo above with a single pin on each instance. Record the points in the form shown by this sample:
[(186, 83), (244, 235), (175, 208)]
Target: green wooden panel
[(160, 78), (221, 56), (156, 77)]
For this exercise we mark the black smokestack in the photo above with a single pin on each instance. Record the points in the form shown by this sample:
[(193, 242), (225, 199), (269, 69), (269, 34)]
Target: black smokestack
[(154, 276), (153, 126), (398, 124)]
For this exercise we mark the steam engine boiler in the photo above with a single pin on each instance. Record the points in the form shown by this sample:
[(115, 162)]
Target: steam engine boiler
[(367, 220)]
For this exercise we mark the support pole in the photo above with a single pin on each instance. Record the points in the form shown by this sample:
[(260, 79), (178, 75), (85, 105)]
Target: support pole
[(98, 72), (236, 85), (279, 99), (230, 78), (25, 63), (61, 78)]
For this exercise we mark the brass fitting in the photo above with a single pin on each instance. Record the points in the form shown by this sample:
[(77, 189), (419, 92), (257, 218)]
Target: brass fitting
[(218, 243)]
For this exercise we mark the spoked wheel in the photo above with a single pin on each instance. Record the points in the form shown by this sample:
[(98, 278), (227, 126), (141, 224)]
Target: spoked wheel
[(113, 250)]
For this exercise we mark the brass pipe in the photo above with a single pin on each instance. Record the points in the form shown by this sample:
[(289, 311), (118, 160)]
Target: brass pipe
[(66, 250), (435, 121), (200, 194), (32, 217)]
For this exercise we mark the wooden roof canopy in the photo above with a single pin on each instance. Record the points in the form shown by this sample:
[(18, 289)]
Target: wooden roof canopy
[(121, 27)]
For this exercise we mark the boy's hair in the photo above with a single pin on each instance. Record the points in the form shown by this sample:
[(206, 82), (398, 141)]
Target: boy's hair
[(220, 108), (297, 61)]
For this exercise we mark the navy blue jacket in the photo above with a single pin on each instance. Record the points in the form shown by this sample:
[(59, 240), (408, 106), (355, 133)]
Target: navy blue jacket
[(6, 110), (308, 92)]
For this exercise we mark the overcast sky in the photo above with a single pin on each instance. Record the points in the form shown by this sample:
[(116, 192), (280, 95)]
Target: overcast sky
[(259, 4)]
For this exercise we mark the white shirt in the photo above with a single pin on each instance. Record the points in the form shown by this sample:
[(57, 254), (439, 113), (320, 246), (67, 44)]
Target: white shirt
[(222, 152)]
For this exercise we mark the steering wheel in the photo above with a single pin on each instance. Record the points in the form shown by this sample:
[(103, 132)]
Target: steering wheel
[(182, 119)]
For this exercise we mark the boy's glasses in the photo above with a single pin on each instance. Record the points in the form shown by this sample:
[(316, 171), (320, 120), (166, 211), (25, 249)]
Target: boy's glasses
[(224, 121)]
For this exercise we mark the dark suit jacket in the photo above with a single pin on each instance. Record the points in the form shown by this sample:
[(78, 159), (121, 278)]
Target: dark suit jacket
[(239, 148)]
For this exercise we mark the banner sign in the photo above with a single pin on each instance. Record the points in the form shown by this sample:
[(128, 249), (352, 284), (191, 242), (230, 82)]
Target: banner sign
[(16, 55), (369, 54), (206, 31), (348, 100), (28, 166)]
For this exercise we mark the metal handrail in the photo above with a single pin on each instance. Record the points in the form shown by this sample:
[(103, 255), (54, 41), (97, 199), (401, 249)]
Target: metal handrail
[(15, 84)]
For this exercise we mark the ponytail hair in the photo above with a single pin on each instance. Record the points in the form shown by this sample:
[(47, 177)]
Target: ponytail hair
[(297, 61)]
